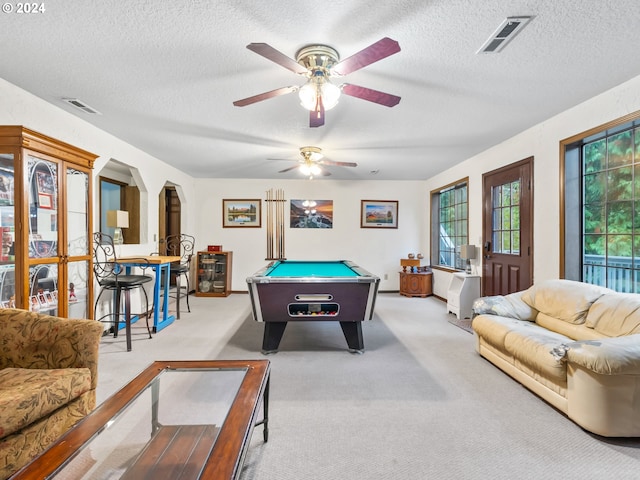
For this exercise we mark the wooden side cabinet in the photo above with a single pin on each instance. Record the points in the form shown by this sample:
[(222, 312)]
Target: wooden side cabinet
[(214, 274), (463, 290), (416, 284)]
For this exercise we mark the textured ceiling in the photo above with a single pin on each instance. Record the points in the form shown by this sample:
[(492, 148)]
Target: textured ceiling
[(164, 76)]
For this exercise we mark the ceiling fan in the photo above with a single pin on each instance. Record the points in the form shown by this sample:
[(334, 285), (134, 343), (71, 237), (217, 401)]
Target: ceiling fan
[(318, 63), (312, 161)]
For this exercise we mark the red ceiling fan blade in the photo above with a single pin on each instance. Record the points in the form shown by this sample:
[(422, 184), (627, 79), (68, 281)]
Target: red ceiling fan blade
[(264, 96), (270, 53), (371, 95), (316, 117), (325, 161), (377, 51)]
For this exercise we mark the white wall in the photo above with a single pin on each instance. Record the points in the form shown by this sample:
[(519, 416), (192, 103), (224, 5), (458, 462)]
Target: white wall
[(376, 250), (541, 142), (18, 107)]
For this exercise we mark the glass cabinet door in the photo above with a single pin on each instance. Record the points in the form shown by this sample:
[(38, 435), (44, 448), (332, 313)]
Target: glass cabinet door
[(78, 245), (43, 208), (7, 231), (42, 178)]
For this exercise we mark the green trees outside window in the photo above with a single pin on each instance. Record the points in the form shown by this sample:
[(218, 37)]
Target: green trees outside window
[(611, 210)]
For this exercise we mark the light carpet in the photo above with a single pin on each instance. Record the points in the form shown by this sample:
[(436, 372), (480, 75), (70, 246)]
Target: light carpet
[(420, 403)]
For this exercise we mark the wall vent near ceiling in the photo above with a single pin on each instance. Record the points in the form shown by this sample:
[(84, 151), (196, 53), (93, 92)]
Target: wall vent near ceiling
[(81, 105), (508, 29)]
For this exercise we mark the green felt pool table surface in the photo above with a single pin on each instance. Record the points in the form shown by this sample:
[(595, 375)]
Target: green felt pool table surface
[(299, 268)]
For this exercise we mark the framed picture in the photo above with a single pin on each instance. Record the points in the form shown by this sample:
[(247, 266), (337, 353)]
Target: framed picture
[(242, 213), (49, 298), (311, 214), (44, 183), (378, 214), (45, 200), (6, 188)]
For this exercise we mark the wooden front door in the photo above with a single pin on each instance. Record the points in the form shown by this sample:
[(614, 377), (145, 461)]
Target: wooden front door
[(508, 229)]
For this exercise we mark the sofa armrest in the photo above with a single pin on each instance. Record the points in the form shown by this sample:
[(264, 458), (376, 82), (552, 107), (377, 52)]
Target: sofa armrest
[(607, 356), (33, 340), (511, 306)]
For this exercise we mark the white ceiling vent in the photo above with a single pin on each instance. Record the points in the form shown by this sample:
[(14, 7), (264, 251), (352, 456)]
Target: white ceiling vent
[(81, 105), (504, 34)]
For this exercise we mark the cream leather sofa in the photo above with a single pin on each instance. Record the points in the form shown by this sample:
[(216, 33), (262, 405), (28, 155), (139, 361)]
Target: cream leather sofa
[(575, 345)]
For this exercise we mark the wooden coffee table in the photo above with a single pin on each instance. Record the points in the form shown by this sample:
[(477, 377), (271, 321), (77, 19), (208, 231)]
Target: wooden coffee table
[(177, 419)]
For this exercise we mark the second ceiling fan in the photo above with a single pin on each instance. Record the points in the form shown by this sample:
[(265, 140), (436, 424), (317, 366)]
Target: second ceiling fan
[(312, 161), (318, 63)]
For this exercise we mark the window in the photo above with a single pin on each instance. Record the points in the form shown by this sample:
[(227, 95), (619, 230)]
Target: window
[(449, 225), (506, 218), (602, 207)]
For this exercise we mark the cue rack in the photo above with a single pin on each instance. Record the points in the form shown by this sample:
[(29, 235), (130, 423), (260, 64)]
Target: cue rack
[(275, 224)]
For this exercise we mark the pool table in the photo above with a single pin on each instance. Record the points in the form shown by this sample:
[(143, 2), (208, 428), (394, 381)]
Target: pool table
[(311, 291)]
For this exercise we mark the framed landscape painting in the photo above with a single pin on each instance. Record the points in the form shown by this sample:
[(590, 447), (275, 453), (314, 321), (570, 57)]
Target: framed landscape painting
[(241, 213), (378, 214)]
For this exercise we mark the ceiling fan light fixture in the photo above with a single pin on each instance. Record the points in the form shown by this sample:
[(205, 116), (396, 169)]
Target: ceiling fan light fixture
[(305, 169), (319, 86), (310, 170)]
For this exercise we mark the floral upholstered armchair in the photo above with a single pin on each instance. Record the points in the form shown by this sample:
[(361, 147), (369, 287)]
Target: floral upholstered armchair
[(48, 379)]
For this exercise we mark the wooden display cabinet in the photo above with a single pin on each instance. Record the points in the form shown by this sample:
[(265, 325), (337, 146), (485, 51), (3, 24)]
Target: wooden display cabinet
[(45, 220), (416, 284), (213, 271)]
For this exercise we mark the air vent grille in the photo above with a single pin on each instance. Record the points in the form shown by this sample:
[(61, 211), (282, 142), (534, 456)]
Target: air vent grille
[(81, 105), (507, 30)]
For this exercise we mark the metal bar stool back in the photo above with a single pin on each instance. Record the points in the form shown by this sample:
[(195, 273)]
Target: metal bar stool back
[(180, 246)]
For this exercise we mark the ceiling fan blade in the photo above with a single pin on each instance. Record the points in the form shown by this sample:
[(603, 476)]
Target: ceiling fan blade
[(264, 96), (270, 53), (371, 95), (339, 164), (288, 169), (377, 51), (316, 117)]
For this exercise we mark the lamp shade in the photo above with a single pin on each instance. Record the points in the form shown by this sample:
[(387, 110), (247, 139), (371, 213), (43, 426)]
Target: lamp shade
[(468, 252), (117, 219)]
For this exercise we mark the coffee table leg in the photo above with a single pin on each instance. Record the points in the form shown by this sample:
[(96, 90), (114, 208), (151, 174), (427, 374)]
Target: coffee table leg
[(265, 412)]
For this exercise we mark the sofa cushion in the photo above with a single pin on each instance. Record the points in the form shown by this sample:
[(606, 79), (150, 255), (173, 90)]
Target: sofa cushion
[(615, 314), (565, 300), (571, 330), (536, 348), (26, 395), (494, 328)]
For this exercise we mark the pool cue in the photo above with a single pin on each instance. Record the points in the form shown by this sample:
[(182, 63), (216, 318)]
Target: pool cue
[(271, 231), (282, 223), (268, 225), (278, 236), (277, 225)]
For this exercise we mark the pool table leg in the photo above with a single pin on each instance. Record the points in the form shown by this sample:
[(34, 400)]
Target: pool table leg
[(273, 332), (353, 334)]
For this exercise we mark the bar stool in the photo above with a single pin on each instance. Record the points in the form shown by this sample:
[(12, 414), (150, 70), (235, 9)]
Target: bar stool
[(111, 276)]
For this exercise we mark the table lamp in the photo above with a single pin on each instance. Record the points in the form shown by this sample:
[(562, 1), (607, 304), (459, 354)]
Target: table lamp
[(117, 219), (468, 252)]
